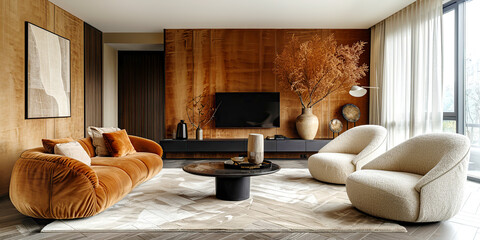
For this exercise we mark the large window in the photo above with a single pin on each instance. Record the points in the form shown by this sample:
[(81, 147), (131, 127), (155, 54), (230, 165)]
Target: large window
[(461, 74), (472, 82), (449, 71)]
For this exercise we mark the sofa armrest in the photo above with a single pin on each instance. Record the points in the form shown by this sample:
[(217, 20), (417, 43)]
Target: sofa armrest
[(145, 145), (63, 161), (43, 185)]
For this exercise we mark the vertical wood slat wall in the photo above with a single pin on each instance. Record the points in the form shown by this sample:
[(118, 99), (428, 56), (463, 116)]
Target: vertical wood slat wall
[(241, 60), (141, 93), (93, 42)]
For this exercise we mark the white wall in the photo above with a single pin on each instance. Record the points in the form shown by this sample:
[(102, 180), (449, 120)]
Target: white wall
[(110, 86)]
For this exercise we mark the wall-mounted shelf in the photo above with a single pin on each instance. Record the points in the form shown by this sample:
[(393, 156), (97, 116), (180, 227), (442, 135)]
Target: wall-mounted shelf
[(240, 145)]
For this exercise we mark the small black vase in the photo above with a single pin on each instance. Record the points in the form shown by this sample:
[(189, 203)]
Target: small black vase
[(182, 132)]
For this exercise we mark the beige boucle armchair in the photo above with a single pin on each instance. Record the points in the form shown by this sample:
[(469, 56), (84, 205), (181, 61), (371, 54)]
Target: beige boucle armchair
[(420, 180), (348, 153)]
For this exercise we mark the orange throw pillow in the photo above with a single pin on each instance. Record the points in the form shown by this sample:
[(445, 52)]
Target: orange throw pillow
[(49, 144), (118, 143)]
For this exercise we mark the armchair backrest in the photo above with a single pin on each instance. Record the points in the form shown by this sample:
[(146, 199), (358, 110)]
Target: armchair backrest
[(421, 154), (356, 140)]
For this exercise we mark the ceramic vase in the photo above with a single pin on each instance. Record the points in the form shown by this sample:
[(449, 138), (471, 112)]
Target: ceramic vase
[(307, 124), (199, 134), (182, 132), (255, 148)]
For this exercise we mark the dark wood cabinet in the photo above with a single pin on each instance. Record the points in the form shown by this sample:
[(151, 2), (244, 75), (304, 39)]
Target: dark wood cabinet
[(240, 145)]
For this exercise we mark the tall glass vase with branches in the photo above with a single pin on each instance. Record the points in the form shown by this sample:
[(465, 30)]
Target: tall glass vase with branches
[(316, 68), (200, 112)]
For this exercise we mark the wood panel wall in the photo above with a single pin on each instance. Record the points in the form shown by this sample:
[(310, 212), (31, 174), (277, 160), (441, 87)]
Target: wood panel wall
[(241, 60), (140, 93), (93, 42), (18, 134)]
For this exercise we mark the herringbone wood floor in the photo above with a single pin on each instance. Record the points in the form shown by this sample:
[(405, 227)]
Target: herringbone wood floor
[(464, 226)]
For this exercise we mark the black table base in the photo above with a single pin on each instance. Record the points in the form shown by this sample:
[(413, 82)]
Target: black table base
[(230, 184), (232, 188)]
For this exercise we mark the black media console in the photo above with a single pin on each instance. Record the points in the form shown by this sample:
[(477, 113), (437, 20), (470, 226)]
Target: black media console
[(240, 145)]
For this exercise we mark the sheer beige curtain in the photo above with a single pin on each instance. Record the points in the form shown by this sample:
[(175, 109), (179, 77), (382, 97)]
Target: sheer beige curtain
[(406, 65)]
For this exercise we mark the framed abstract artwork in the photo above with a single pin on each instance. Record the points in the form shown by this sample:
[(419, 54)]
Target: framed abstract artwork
[(47, 70)]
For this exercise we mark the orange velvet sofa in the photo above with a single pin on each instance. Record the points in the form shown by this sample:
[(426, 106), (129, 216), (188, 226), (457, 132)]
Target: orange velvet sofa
[(51, 186)]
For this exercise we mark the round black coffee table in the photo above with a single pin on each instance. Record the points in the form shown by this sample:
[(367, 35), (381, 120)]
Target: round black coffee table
[(230, 184)]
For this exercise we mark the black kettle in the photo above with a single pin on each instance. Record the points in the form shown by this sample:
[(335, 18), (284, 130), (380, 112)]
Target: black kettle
[(182, 132)]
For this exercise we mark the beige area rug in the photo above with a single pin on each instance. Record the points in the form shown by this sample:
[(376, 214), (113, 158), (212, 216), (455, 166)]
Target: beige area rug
[(287, 201)]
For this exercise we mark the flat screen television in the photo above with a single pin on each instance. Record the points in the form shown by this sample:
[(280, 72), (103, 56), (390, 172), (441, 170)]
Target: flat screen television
[(247, 110)]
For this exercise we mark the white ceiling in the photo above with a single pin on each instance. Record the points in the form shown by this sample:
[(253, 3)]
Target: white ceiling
[(156, 15)]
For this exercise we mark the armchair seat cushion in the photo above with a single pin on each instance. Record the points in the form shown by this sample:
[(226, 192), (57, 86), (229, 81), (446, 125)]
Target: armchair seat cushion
[(385, 194), (331, 167)]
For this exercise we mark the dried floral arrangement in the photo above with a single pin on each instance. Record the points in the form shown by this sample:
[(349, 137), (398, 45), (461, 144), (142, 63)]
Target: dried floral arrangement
[(200, 110), (319, 67)]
